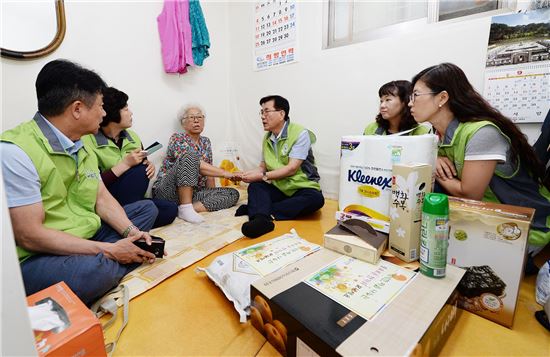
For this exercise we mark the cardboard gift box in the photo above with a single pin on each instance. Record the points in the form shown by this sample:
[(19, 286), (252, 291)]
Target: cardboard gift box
[(81, 333), (367, 246), (300, 320), (410, 183), (489, 241)]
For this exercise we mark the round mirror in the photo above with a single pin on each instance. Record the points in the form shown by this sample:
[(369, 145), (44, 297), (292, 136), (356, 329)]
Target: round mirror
[(32, 29)]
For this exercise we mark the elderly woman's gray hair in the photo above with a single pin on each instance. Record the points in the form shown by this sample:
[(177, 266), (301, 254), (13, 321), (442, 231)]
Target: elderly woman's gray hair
[(182, 115)]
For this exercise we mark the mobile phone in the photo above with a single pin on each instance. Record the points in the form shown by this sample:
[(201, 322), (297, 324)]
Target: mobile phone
[(152, 148), (156, 247)]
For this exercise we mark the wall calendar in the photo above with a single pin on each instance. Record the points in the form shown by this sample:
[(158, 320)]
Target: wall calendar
[(275, 34), (517, 71)]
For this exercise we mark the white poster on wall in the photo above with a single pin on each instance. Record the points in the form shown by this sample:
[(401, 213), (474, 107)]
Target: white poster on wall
[(517, 71), (275, 33)]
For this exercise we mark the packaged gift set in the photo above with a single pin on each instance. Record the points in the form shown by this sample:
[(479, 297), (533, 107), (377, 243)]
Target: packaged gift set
[(489, 241), (328, 304)]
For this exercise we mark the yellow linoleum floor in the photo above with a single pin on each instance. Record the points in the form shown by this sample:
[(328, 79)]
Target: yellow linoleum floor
[(187, 315)]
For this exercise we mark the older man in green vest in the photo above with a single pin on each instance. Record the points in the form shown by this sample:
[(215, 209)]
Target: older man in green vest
[(66, 224), (286, 184)]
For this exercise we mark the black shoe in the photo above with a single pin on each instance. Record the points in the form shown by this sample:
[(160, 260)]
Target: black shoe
[(257, 226), (530, 267), (242, 211), (543, 319)]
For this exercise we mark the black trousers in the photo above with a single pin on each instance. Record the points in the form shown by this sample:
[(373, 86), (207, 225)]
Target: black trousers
[(268, 200), (131, 186)]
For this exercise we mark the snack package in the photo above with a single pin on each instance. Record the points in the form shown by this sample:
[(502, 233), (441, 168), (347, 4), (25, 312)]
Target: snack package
[(229, 161), (489, 240)]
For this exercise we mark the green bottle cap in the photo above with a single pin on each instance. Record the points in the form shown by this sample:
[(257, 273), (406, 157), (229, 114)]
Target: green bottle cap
[(436, 204)]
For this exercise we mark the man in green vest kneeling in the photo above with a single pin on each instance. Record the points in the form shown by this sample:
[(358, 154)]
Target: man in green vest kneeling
[(66, 224), (286, 184)]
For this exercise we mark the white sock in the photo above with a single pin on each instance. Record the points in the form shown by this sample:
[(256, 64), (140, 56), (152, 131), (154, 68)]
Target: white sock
[(187, 213)]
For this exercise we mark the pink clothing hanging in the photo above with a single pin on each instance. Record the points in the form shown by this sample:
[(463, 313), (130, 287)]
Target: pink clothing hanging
[(175, 36)]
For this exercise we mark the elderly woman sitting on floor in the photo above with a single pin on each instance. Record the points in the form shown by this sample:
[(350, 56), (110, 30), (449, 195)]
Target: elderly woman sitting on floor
[(187, 174)]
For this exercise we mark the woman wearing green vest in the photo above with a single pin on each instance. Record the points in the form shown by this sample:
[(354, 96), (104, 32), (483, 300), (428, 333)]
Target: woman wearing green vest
[(394, 115), (286, 183), (124, 167), (482, 154)]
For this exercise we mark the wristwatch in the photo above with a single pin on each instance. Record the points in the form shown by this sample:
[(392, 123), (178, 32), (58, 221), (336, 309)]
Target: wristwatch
[(264, 177)]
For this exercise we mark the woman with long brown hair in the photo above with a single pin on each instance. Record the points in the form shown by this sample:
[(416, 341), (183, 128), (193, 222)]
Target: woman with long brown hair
[(482, 154)]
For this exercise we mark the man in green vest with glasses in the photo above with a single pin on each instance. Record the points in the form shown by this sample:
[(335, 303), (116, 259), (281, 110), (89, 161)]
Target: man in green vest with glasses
[(66, 224), (286, 184)]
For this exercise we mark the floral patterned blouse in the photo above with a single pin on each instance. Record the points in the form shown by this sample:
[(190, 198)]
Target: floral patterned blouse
[(181, 144)]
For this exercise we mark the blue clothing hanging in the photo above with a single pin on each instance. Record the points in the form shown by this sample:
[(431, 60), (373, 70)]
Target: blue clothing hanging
[(201, 39)]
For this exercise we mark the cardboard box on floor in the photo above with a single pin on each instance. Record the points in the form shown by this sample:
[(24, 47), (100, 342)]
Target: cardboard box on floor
[(416, 322), (490, 241), (80, 336), (345, 242)]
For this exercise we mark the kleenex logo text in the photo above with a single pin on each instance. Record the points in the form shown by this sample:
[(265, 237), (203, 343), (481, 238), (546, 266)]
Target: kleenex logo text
[(357, 176)]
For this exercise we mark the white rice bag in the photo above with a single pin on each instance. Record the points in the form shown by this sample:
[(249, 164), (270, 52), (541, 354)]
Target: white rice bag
[(234, 275)]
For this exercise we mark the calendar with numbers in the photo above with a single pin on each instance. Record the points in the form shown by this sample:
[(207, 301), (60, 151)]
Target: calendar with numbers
[(521, 93), (517, 70), (275, 34)]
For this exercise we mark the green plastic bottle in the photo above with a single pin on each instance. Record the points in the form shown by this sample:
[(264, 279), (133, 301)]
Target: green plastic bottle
[(434, 235)]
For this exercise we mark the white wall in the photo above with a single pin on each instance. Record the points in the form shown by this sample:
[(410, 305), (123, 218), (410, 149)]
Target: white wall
[(120, 41), (334, 92)]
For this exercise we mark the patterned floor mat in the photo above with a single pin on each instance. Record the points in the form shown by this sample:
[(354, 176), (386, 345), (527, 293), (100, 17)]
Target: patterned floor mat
[(186, 244)]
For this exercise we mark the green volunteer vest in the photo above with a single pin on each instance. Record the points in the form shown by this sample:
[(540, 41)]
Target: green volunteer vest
[(455, 151), (68, 193), (274, 160), (108, 154), (374, 129)]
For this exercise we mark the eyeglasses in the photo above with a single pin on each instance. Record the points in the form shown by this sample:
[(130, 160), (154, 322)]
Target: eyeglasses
[(413, 96), (265, 111), (195, 117)]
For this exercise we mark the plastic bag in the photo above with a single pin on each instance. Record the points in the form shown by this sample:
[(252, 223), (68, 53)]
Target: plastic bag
[(229, 161), (543, 284)]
